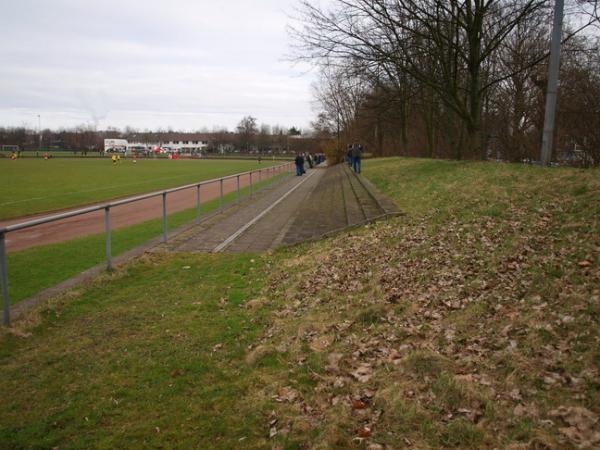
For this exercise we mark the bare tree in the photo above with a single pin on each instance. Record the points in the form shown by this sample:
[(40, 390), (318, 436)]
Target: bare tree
[(445, 45), (247, 131), (264, 138), (339, 94)]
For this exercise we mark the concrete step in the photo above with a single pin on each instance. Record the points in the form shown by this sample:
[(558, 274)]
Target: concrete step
[(366, 202), (296, 210)]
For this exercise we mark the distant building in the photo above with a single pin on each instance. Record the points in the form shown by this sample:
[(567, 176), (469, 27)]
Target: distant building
[(184, 146), (123, 146), (115, 145)]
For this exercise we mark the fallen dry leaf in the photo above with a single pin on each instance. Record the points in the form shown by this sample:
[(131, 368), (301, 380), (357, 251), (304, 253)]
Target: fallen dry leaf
[(333, 360), (287, 394), (359, 404), (320, 343), (364, 432), (363, 373), (374, 447), (584, 429)]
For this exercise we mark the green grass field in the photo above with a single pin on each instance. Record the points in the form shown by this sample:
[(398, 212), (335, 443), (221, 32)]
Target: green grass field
[(31, 186), (471, 322)]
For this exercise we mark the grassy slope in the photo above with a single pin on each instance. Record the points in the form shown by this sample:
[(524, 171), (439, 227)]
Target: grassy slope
[(471, 322), (32, 186)]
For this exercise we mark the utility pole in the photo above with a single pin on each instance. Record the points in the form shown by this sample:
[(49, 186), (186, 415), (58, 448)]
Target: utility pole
[(337, 119), (553, 70)]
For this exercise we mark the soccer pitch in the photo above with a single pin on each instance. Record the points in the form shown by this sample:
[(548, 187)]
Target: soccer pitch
[(31, 186)]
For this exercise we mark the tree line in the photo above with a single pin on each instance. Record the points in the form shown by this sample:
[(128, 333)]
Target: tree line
[(249, 136), (451, 78)]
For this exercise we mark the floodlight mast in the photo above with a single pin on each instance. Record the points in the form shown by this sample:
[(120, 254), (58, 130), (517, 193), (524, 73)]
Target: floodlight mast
[(553, 71), (40, 132)]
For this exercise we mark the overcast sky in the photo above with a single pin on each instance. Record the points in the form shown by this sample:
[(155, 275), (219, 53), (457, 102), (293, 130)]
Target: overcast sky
[(184, 64)]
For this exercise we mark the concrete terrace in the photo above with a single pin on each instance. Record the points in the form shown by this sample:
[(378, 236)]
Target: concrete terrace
[(298, 209)]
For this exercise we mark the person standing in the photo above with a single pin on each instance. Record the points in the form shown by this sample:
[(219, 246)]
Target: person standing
[(299, 164), (356, 157), (349, 155)]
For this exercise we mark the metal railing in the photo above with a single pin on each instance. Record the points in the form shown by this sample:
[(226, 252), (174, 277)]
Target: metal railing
[(267, 171)]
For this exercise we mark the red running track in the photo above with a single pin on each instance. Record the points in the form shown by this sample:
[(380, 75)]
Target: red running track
[(120, 216)]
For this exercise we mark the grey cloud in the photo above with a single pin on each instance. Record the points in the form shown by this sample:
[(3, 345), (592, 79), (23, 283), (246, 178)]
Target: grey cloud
[(148, 63)]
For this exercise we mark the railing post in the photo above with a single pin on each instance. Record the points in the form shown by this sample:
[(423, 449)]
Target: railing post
[(164, 205), (221, 196), (108, 238), (198, 212), (4, 279), (238, 188), (250, 183)]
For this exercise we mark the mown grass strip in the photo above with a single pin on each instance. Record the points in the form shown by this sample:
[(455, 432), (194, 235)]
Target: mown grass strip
[(161, 346)]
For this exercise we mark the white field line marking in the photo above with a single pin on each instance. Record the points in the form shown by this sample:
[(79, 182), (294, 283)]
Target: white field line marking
[(231, 238)]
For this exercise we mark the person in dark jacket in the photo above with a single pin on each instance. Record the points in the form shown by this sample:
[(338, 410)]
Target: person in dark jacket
[(349, 155), (356, 157), (299, 164)]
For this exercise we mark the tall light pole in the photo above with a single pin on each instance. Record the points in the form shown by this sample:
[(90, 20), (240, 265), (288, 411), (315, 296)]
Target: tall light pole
[(40, 132), (553, 70)]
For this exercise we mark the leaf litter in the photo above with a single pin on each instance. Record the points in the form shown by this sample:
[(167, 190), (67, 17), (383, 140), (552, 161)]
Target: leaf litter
[(457, 319)]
